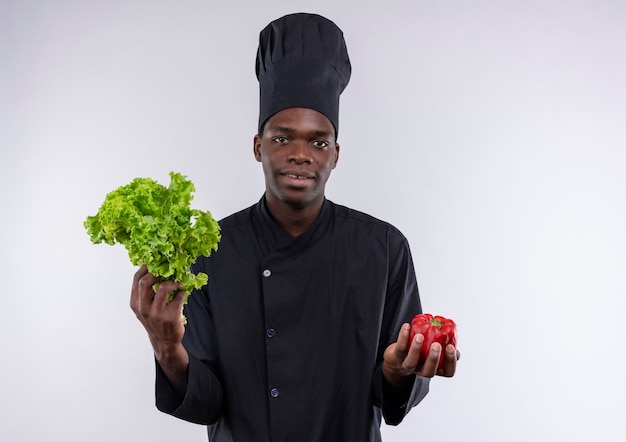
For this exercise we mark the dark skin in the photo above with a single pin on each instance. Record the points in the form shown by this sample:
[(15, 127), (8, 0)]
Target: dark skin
[(298, 151), (164, 323)]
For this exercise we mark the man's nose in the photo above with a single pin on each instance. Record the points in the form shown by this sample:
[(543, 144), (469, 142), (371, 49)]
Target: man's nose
[(300, 152)]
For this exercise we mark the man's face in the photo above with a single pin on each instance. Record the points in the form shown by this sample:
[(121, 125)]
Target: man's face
[(298, 151)]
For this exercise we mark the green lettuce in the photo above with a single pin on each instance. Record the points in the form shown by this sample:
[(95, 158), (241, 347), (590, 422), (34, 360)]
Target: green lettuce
[(158, 228)]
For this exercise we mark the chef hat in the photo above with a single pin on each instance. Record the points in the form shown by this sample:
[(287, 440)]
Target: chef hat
[(302, 61)]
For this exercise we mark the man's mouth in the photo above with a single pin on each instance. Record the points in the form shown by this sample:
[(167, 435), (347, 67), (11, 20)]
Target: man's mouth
[(297, 177)]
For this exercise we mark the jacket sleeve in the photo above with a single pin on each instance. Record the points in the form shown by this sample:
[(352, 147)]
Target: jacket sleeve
[(402, 302), (398, 403), (202, 401)]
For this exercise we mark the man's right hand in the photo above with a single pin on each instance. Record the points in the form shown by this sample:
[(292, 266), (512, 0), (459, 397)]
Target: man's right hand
[(163, 320)]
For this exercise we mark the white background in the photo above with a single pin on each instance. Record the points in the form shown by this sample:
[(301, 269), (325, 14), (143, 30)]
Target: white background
[(492, 133)]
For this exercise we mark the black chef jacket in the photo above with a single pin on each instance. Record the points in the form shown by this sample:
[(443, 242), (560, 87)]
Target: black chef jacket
[(286, 341)]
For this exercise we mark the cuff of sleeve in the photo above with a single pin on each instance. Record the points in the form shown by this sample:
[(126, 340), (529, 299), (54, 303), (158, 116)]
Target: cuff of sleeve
[(167, 398), (395, 398), (398, 402), (203, 398)]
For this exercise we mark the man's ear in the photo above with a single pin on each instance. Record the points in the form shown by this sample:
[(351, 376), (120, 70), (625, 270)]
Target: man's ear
[(336, 155), (257, 147)]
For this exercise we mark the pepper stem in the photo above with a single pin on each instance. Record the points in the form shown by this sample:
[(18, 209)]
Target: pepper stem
[(436, 323)]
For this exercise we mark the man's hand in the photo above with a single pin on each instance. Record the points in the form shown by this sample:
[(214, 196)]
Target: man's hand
[(401, 359), (163, 321)]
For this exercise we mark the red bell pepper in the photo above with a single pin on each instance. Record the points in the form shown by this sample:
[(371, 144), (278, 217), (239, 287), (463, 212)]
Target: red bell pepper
[(434, 329)]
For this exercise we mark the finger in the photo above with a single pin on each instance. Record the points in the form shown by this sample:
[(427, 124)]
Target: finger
[(449, 362), (145, 294), (429, 369), (402, 344), (177, 300), (167, 309), (165, 292), (411, 361), (134, 291)]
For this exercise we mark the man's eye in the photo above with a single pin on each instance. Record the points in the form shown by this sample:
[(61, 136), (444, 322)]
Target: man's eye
[(320, 144), (280, 139)]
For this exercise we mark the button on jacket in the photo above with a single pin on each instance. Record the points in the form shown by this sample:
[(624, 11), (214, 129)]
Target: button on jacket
[(286, 341)]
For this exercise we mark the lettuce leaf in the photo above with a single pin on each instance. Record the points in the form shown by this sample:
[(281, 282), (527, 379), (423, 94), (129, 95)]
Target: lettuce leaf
[(158, 228)]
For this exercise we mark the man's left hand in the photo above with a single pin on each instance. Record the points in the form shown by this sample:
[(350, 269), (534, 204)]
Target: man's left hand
[(401, 359)]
